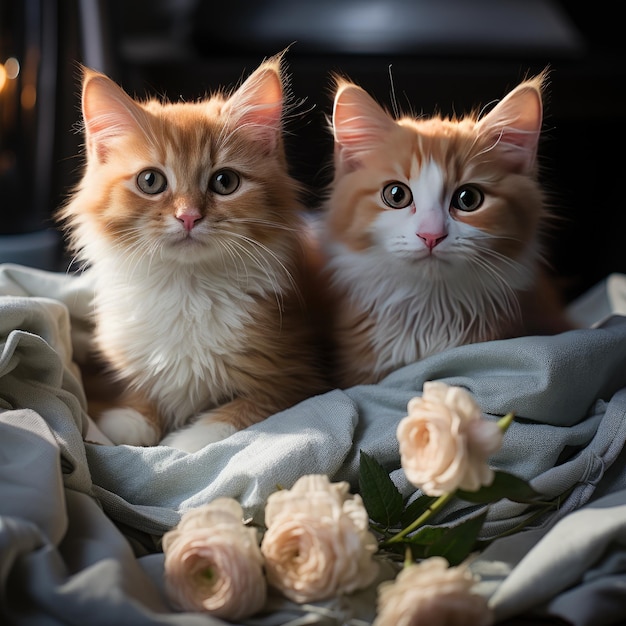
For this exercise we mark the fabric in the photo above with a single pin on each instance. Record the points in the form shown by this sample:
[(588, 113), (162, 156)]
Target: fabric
[(81, 522)]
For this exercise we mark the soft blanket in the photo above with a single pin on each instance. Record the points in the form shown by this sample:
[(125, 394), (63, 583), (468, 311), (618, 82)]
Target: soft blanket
[(80, 522)]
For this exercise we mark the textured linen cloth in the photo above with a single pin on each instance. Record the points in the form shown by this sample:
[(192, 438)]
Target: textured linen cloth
[(81, 522)]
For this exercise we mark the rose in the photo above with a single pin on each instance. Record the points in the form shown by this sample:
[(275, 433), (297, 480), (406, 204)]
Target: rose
[(445, 441), (213, 562), (317, 544), (432, 594)]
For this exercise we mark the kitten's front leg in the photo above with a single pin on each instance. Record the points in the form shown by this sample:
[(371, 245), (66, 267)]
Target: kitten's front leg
[(217, 425), (134, 424), (127, 426), (199, 434)]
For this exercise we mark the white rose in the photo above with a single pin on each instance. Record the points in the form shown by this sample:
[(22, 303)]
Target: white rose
[(433, 594), (317, 544), (445, 441), (213, 562)]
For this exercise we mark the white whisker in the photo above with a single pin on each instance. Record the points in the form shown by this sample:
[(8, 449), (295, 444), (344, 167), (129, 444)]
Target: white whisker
[(264, 264)]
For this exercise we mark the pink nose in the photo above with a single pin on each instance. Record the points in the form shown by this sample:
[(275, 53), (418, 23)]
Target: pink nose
[(432, 239), (188, 218)]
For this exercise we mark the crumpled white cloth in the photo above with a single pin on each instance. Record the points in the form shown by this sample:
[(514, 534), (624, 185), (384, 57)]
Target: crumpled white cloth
[(70, 511)]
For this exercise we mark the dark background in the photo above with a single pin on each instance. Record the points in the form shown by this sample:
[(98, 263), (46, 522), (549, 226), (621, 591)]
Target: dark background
[(445, 55)]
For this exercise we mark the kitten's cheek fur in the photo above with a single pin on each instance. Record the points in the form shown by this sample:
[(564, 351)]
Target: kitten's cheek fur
[(200, 434), (128, 426)]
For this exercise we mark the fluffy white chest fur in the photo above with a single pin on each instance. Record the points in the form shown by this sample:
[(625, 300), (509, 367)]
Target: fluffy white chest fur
[(171, 329), (426, 308)]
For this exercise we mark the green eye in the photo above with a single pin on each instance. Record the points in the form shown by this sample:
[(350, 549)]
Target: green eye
[(225, 182), (151, 181), (397, 195), (467, 198)]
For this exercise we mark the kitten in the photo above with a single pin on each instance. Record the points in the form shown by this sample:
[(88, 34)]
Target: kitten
[(432, 230), (190, 226)]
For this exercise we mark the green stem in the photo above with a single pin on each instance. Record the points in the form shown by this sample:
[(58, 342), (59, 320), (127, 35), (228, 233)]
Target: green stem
[(505, 422), (408, 557), (440, 502)]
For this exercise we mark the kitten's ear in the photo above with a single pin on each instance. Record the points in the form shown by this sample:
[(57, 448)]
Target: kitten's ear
[(257, 105), (515, 124), (359, 123), (108, 113)]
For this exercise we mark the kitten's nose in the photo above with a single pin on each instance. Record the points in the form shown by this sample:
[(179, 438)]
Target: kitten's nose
[(188, 217), (432, 239)]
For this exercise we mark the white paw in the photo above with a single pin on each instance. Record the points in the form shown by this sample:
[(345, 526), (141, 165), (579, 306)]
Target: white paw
[(127, 426), (198, 435)]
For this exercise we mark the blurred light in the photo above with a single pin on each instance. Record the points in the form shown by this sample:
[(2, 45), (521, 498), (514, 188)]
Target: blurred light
[(12, 67), (3, 76), (401, 26), (28, 97)]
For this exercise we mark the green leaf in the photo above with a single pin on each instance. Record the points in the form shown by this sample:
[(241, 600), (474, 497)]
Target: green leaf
[(415, 509), (459, 541), (420, 542), (381, 497), (504, 485), (426, 536)]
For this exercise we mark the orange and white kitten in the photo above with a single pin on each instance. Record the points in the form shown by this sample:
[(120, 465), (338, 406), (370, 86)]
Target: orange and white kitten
[(432, 230), (190, 227)]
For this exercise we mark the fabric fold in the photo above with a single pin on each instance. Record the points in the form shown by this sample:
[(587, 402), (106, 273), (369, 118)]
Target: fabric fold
[(83, 520)]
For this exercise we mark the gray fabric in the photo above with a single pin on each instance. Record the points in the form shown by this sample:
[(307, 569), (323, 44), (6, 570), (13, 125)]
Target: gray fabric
[(80, 522)]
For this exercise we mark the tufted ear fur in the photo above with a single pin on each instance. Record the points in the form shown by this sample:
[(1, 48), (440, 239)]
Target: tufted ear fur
[(257, 105), (359, 124), (515, 124), (108, 113)]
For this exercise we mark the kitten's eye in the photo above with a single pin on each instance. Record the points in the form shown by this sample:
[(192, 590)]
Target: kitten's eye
[(397, 195), (467, 198), (224, 182), (151, 181)]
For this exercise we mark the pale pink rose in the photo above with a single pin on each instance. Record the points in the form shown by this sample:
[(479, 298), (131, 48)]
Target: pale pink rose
[(213, 562), (445, 441), (317, 544), (432, 594)]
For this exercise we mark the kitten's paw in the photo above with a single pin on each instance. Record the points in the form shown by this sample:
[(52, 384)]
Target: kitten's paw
[(198, 435), (127, 426)]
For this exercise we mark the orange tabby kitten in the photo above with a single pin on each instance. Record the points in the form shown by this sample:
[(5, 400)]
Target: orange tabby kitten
[(432, 231), (190, 226)]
